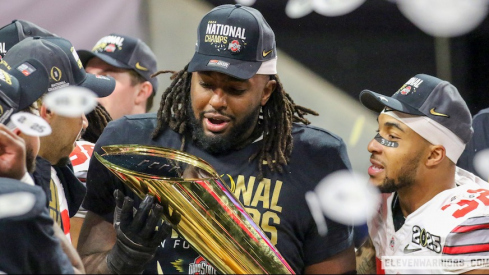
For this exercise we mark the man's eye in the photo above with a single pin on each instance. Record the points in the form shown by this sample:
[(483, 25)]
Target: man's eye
[(205, 85), (393, 137), (237, 91)]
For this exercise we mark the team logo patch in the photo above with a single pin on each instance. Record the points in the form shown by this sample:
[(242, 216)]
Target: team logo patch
[(234, 46), (424, 238), (218, 63), (56, 73), (109, 44), (410, 86), (110, 48), (201, 266), (406, 90), (225, 37), (26, 69)]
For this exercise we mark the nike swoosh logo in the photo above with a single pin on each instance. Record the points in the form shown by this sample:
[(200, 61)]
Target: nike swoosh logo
[(432, 111), (139, 67), (407, 250), (267, 53)]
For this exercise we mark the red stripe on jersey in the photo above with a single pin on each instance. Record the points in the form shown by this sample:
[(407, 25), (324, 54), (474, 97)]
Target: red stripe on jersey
[(65, 218), (468, 228), (474, 248), (378, 264)]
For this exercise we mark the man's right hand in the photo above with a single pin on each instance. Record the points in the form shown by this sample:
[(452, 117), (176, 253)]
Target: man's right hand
[(138, 235)]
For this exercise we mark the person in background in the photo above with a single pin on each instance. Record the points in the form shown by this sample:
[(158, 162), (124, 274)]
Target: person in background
[(53, 170), (131, 63), (31, 241), (478, 143)]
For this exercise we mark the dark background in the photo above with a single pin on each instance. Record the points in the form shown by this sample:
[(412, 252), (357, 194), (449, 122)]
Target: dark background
[(376, 47)]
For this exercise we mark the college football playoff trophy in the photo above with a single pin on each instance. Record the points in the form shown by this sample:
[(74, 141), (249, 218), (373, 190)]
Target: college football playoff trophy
[(212, 220)]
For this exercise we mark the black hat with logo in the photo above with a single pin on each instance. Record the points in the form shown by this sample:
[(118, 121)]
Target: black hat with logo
[(17, 31), (425, 95), (21, 86), (124, 52), (62, 63), (235, 40)]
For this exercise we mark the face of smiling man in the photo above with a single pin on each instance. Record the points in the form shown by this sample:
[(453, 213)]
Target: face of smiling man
[(225, 109)]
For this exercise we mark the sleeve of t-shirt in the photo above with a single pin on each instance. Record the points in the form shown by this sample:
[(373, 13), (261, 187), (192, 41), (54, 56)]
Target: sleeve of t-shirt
[(101, 183), (479, 141), (27, 243), (331, 156), (469, 239)]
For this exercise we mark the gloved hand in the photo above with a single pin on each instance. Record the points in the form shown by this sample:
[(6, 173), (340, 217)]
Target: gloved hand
[(137, 235)]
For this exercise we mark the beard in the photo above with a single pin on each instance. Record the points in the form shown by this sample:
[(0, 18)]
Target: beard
[(221, 143), (406, 178), (63, 161), (30, 160)]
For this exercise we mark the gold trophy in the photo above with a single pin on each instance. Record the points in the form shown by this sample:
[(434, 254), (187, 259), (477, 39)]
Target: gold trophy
[(213, 221)]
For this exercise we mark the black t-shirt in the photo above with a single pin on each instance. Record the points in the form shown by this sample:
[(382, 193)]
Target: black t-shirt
[(479, 141), (27, 241), (277, 203)]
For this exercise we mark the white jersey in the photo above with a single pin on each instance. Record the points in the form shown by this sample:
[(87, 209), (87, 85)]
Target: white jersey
[(80, 159), (453, 223)]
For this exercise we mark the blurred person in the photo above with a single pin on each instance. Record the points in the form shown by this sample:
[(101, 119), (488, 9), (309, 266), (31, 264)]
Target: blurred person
[(430, 207), (478, 143), (53, 169), (228, 107), (131, 63), (31, 242)]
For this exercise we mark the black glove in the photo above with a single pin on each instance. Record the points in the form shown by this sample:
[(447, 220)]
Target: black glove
[(137, 235)]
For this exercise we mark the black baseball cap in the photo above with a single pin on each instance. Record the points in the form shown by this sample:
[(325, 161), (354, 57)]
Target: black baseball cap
[(21, 86), (425, 95), (17, 31), (62, 63), (124, 52), (235, 40)]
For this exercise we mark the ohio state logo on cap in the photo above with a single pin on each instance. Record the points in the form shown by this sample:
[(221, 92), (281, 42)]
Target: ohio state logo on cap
[(406, 90), (234, 46)]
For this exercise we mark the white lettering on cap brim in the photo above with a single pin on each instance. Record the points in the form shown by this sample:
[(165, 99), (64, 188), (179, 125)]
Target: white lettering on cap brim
[(30, 124), (71, 101)]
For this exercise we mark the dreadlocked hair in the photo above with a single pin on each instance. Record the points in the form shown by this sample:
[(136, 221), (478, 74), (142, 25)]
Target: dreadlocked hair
[(97, 119), (275, 121)]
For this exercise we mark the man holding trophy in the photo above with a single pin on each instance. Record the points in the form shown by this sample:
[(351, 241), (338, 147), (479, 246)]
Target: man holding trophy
[(227, 107)]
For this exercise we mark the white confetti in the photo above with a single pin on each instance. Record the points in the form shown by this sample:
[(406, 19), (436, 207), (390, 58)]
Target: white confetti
[(30, 124), (481, 163), (348, 198), (71, 101)]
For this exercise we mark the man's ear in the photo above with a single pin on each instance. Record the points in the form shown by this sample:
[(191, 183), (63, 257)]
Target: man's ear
[(45, 113), (145, 90), (267, 91), (436, 155)]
